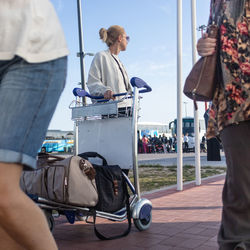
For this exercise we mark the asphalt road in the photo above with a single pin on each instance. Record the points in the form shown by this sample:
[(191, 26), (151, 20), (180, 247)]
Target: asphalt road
[(170, 159)]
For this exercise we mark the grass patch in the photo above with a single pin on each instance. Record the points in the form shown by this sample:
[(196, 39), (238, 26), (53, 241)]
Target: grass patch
[(156, 176)]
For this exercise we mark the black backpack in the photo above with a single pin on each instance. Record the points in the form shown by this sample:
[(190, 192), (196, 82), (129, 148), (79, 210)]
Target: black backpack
[(112, 190)]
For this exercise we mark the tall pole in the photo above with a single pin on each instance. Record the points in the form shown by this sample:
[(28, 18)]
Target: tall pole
[(185, 108), (179, 97), (196, 114), (81, 46), (201, 28)]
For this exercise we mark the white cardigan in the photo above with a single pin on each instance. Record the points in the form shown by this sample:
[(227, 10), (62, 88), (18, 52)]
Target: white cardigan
[(104, 74), (31, 30)]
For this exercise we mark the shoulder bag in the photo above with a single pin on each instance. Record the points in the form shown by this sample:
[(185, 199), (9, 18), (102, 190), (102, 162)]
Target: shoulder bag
[(202, 80), (112, 192)]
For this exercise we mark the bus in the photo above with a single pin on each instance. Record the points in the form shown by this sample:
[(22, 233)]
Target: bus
[(152, 129), (188, 127), (60, 145)]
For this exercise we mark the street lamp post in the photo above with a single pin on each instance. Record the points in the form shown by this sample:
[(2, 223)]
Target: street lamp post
[(81, 46), (196, 114), (179, 97), (81, 53), (185, 103), (201, 29)]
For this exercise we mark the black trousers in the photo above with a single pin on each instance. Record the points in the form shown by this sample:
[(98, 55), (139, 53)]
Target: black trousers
[(213, 150), (235, 225)]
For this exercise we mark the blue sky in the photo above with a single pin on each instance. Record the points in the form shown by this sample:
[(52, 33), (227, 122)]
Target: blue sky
[(150, 55)]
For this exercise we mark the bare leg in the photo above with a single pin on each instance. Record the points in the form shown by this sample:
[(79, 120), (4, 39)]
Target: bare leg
[(21, 218), (7, 243)]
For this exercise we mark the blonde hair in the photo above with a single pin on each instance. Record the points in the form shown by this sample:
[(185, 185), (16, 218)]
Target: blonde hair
[(111, 35)]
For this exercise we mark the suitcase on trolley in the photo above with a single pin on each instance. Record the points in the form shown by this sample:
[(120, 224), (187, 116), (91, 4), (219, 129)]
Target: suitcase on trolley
[(66, 180), (112, 192), (111, 185)]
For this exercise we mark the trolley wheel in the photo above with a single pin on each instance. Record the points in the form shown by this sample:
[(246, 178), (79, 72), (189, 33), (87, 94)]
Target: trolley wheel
[(142, 214), (50, 219), (143, 224)]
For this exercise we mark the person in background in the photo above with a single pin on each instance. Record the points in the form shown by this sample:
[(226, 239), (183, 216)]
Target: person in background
[(174, 141), (140, 145), (144, 143), (170, 140), (203, 144), (33, 65), (213, 143), (150, 148), (107, 75), (229, 117), (165, 143), (186, 139)]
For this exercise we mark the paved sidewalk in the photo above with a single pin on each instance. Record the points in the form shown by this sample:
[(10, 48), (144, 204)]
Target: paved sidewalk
[(182, 220)]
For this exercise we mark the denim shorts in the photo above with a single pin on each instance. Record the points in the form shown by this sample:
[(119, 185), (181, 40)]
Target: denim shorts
[(29, 93)]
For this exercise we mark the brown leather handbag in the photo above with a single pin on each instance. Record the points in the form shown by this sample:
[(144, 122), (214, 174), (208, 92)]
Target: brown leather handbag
[(202, 80)]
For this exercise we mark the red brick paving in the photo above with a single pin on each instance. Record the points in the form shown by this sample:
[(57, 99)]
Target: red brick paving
[(181, 220)]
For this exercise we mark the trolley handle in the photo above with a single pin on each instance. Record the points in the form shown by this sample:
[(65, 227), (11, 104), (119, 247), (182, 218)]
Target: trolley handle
[(135, 82), (139, 83), (82, 93)]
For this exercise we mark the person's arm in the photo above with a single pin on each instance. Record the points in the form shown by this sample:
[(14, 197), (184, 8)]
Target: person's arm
[(95, 84)]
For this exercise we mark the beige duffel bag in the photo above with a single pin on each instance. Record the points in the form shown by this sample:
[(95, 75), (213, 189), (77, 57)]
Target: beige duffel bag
[(68, 181)]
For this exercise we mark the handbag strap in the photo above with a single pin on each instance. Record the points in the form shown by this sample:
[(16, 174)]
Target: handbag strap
[(126, 232), (216, 5), (125, 84), (248, 13)]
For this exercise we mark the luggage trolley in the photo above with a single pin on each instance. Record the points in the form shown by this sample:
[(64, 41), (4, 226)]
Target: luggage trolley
[(109, 128)]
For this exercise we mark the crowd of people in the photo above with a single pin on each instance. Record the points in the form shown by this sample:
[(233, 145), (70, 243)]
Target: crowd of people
[(157, 144), (164, 144)]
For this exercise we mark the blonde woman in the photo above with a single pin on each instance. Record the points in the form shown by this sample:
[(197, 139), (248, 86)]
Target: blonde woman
[(107, 75)]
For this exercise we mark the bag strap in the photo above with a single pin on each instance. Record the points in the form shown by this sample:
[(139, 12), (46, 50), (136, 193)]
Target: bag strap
[(215, 6), (126, 232), (248, 13), (125, 84), (88, 155)]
